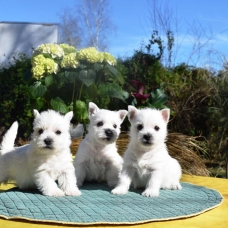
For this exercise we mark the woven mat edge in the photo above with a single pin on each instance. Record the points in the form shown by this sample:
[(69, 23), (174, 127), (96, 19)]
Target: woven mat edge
[(119, 223)]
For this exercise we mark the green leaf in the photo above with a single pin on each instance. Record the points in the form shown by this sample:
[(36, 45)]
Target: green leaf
[(48, 80), (71, 76), (112, 91), (111, 69), (71, 107), (82, 66), (158, 98), (97, 66), (87, 77), (120, 78), (59, 105), (60, 79), (92, 91), (37, 89), (125, 94), (39, 103), (81, 112)]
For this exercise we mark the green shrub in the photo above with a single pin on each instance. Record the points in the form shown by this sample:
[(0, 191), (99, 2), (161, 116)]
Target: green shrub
[(15, 102), (68, 81)]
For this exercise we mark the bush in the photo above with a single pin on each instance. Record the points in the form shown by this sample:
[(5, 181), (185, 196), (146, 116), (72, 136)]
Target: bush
[(15, 103), (197, 97), (66, 79)]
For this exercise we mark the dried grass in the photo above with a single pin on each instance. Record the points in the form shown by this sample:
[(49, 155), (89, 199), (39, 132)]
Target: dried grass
[(184, 148), (187, 151)]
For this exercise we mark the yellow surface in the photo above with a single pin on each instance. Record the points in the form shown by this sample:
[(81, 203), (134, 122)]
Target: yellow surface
[(217, 217)]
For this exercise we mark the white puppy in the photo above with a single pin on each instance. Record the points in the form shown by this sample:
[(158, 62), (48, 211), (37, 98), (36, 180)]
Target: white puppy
[(97, 158), (147, 163), (46, 159)]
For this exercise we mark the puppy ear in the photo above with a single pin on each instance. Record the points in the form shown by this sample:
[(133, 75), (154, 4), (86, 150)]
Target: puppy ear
[(92, 108), (131, 112), (35, 113), (69, 116), (122, 114), (165, 114)]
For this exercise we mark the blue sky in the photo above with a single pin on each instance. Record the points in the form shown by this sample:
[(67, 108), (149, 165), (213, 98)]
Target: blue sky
[(132, 21)]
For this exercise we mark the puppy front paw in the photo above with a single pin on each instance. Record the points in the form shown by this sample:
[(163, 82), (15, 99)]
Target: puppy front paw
[(73, 192), (151, 193), (176, 186), (55, 193), (119, 191)]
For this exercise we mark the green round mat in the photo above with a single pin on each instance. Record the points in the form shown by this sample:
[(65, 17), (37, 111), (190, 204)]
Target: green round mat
[(97, 205)]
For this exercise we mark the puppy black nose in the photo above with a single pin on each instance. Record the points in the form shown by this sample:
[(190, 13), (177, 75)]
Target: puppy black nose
[(48, 141), (108, 132), (147, 137)]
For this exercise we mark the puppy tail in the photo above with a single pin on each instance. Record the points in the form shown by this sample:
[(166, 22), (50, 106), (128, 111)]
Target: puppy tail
[(9, 138), (77, 132)]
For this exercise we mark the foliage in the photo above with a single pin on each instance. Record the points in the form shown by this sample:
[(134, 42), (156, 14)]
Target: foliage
[(14, 99), (64, 79), (142, 67), (144, 73), (197, 97), (218, 121), (146, 65), (67, 79), (155, 99), (192, 93)]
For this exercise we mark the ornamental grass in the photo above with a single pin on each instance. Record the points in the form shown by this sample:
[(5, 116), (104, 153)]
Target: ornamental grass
[(186, 149)]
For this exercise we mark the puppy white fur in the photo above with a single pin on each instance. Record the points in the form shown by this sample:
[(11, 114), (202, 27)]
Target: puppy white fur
[(46, 159), (97, 158), (147, 163)]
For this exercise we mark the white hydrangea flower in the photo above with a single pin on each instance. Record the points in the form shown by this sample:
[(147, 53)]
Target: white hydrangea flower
[(54, 50), (70, 61), (110, 59), (68, 49), (42, 65), (90, 55)]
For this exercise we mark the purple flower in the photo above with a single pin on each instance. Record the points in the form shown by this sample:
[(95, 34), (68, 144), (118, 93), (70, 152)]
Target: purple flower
[(139, 96)]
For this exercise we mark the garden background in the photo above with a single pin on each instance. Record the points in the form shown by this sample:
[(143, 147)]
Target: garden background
[(62, 78), (68, 76)]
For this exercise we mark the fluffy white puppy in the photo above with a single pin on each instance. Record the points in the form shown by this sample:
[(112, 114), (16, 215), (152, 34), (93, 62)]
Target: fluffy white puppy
[(97, 158), (46, 159), (147, 163)]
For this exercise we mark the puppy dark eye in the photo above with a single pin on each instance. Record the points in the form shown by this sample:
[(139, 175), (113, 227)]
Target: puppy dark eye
[(99, 124), (58, 132), (40, 131), (156, 128), (140, 127), (115, 126)]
